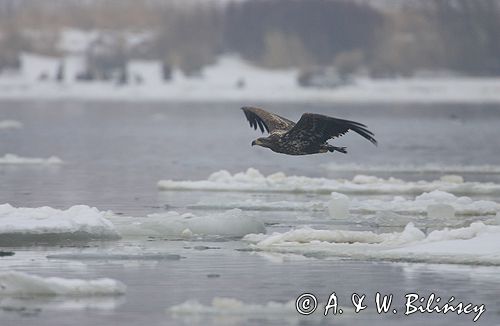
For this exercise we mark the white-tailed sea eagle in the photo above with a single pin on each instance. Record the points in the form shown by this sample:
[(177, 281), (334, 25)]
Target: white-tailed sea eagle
[(308, 136)]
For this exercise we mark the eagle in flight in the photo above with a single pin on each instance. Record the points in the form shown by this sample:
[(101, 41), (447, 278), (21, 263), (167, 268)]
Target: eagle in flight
[(308, 136)]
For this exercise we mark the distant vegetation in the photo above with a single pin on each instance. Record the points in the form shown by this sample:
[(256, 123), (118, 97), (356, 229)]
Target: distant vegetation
[(456, 35)]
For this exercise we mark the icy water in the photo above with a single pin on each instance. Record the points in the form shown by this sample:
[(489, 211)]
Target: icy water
[(115, 153)]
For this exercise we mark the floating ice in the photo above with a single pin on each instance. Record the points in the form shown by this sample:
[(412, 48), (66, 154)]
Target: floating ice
[(307, 235), (80, 222), (19, 284), (410, 168), (10, 124), (429, 201), (117, 256), (338, 206), (252, 180), (232, 223), (462, 205), (257, 204), (452, 178), (443, 211), (231, 306), (477, 244), (32, 305), (14, 159)]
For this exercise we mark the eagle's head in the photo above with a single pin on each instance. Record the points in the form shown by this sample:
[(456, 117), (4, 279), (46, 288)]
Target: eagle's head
[(263, 141)]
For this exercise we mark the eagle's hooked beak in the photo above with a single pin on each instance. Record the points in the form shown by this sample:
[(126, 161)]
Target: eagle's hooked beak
[(256, 142)]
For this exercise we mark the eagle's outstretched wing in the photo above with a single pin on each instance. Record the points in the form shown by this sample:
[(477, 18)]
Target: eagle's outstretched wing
[(318, 128), (265, 120)]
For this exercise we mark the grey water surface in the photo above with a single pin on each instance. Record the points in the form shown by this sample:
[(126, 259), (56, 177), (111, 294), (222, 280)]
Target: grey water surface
[(115, 153)]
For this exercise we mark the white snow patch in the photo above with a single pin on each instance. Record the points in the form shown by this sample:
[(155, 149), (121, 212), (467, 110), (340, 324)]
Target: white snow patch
[(147, 72), (231, 306), (76, 222), (20, 284), (477, 244), (76, 41), (232, 223), (253, 181), (14, 159), (10, 124)]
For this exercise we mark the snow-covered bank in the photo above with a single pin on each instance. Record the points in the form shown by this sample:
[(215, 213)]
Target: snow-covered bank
[(18, 284), (46, 224), (477, 244), (232, 223), (233, 79), (14, 159), (461, 205), (253, 181)]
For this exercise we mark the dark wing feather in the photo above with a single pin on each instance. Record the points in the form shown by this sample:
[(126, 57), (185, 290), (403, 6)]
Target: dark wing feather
[(318, 128), (265, 120)]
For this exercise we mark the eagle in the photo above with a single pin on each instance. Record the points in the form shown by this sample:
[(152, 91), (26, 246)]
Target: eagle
[(308, 136)]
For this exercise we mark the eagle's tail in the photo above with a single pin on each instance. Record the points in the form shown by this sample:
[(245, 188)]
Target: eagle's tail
[(338, 149)]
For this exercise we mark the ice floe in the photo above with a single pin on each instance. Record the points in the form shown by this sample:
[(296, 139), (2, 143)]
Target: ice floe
[(19, 284), (436, 204), (80, 222), (14, 159), (253, 181), (339, 204), (411, 168), (232, 223), (231, 306), (229, 202), (116, 256), (10, 124), (34, 305), (307, 235), (475, 244)]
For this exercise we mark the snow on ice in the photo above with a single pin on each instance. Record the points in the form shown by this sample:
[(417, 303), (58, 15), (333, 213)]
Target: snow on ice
[(253, 181), (78, 222), (477, 244)]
